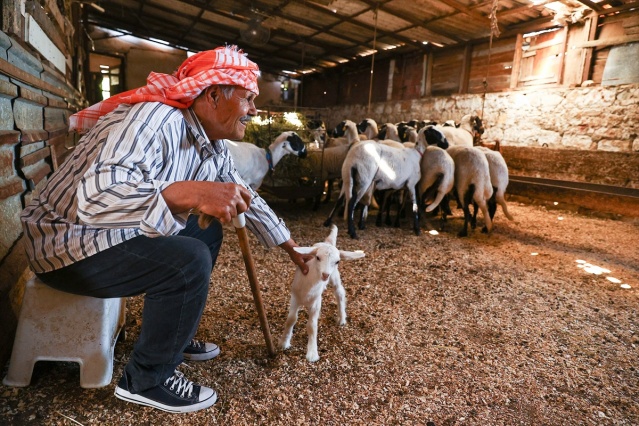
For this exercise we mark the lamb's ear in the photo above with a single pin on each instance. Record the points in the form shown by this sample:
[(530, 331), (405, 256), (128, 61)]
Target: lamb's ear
[(351, 255), (332, 237), (305, 250)]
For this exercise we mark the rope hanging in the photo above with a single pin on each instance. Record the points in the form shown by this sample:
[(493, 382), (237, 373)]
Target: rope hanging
[(370, 87), (494, 31)]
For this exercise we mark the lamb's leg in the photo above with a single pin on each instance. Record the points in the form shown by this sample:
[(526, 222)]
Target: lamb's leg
[(311, 330), (340, 295), (287, 333)]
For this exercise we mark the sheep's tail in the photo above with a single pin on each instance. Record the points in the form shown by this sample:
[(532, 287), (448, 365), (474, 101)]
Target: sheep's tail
[(504, 207), (440, 194), (347, 189)]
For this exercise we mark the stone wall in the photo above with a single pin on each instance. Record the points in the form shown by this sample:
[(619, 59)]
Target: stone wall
[(589, 118)]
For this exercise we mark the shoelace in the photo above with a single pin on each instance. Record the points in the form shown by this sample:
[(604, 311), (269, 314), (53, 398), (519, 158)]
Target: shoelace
[(183, 384), (196, 344)]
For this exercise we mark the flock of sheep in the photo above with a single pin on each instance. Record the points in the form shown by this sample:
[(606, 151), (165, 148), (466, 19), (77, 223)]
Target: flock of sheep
[(420, 161)]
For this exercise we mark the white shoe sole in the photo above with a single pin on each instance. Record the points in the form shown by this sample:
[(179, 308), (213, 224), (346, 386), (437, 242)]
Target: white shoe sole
[(202, 357), (139, 399)]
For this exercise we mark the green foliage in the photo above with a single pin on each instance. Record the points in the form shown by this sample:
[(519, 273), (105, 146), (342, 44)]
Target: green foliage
[(291, 175), (262, 133)]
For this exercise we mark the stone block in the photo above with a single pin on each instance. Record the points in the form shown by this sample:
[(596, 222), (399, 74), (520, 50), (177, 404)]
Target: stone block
[(21, 58), (28, 115), (11, 228)]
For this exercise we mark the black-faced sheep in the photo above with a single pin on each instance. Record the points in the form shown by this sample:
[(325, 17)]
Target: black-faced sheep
[(253, 162), (499, 180), (472, 183)]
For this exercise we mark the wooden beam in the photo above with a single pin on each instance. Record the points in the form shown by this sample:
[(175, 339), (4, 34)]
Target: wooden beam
[(594, 6), (613, 41), (586, 62), (514, 75)]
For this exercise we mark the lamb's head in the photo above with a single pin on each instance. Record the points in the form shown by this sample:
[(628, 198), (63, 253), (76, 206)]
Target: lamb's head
[(430, 135), (293, 144), (327, 255)]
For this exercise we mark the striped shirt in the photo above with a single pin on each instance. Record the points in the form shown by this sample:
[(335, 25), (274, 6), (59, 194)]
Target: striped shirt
[(109, 191)]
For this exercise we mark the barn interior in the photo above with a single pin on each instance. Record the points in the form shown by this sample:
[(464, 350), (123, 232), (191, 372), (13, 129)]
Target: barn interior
[(534, 322)]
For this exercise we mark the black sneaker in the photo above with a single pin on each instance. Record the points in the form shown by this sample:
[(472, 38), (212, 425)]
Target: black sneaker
[(175, 395), (200, 351)]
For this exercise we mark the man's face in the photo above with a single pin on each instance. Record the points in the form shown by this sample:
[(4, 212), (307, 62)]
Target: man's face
[(227, 118)]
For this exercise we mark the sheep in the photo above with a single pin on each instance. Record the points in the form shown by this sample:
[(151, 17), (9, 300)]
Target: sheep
[(472, 183), (499, 180), (437, 180), (369, 163), (327, 164), (441, 142), (306, 290), (464, 134), (317, 129), (345, 133), (388, 131), (253, 162), (368, 127)]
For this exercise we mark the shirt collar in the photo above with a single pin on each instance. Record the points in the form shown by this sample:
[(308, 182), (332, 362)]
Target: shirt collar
[(198, 131)]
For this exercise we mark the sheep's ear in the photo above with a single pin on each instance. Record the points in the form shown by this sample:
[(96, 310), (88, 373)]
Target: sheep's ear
[(350, 255), (305, 250)]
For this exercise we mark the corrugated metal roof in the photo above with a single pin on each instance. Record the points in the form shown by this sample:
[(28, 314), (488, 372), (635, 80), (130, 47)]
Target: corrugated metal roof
[(308, 34)]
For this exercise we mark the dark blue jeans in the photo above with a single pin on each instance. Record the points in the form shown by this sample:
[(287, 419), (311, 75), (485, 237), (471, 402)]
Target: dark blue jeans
[(172, 272)]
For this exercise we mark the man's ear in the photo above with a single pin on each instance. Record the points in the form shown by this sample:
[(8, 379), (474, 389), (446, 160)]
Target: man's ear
[(213, 93)]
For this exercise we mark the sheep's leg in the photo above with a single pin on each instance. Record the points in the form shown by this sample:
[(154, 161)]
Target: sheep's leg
[(473, 219), (468, 199), (285, 339), (363, 212), (492, 204), (382, 209), (413, 199), (311, 330), (351, 219), (337, 205), (340, 296), (487, 220)]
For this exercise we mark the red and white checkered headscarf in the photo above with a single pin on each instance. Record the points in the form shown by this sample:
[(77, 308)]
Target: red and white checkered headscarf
[(224, 65)]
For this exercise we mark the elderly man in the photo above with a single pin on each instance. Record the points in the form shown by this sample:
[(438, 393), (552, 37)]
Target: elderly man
[(114, 220)]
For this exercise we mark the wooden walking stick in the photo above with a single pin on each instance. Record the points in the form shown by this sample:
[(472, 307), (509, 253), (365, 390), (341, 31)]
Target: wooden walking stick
[(240, 227)]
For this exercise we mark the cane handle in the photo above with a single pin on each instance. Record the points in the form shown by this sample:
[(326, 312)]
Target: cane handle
[(239, 221)]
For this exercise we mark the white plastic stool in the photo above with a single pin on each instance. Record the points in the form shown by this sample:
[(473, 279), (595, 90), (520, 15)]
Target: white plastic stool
[(58, 326)]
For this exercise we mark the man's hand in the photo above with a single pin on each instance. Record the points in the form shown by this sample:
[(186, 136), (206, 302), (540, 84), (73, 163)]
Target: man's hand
[(219, 200), (297, 258)]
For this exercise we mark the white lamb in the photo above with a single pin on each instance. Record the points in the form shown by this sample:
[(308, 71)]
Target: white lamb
[(306, 290), (253, 162)]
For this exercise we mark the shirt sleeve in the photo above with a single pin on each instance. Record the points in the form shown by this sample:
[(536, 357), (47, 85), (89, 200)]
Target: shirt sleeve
[(261, 220), (119, 190)]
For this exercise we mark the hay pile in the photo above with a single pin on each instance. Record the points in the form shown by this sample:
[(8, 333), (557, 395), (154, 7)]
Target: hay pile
[(441, 330)]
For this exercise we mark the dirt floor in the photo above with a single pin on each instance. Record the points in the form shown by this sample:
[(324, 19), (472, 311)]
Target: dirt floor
[(530, 325)]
